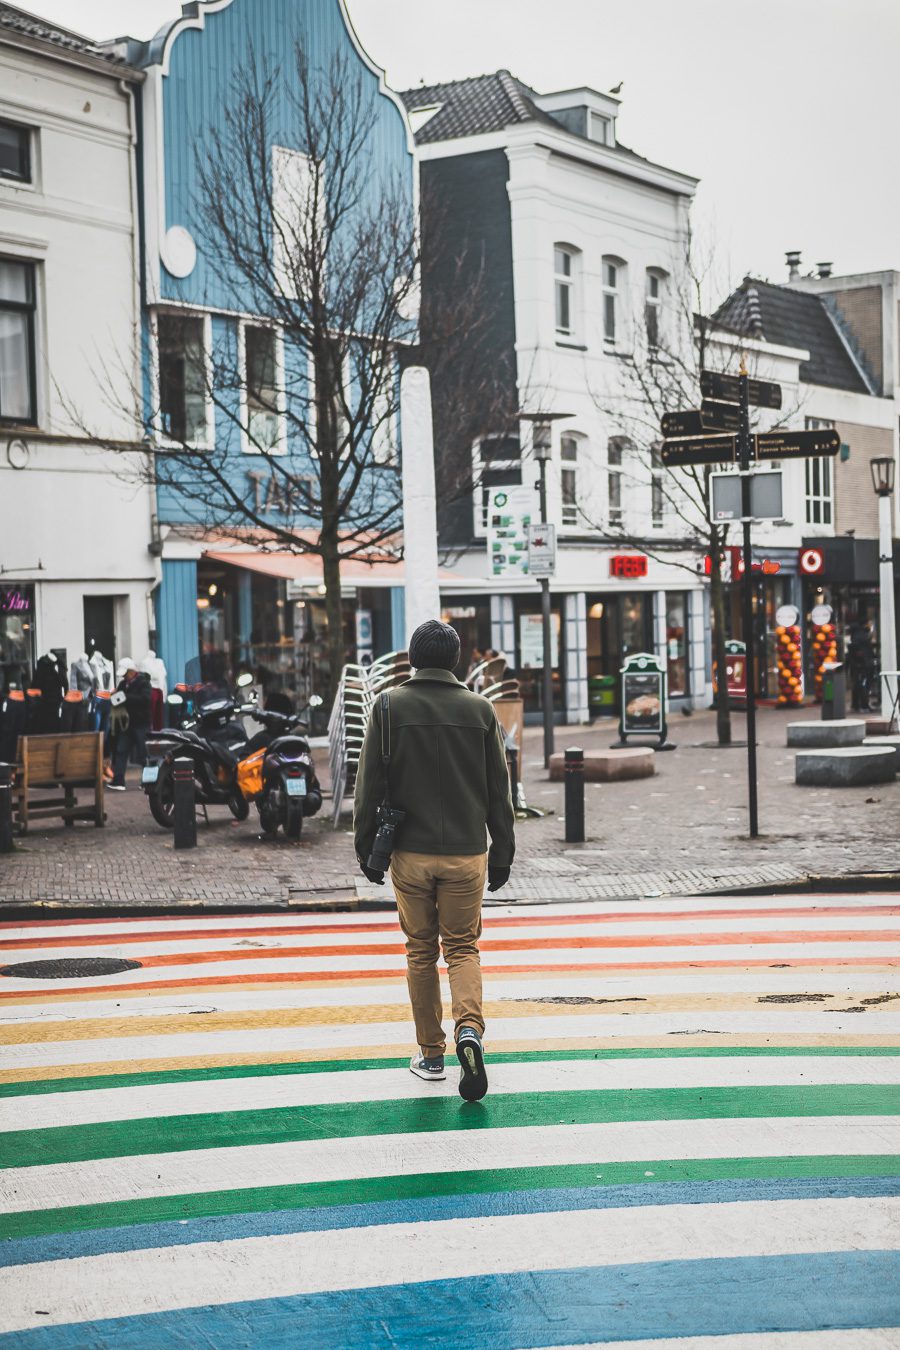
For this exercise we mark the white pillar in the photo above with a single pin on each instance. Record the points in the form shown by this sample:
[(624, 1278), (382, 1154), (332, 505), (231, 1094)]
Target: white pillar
[(887, 622), (575, 613), (419, 513)]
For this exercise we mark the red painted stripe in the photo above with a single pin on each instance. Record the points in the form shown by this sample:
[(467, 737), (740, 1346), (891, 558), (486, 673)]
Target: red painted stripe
[(100, 939), (397, 974)]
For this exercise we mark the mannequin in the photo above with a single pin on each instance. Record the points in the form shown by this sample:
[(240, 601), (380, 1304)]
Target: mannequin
[(82, 676), (52, 685), (103, 671)]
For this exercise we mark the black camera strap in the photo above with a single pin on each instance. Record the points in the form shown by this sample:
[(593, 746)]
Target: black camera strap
[(385, 702)]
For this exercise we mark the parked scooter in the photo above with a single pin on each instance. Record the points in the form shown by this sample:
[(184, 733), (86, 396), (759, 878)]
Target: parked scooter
[(214, 740), (278, 774)]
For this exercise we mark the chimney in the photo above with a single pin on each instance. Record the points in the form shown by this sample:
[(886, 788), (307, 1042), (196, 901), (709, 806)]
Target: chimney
[(824, 269), (793, 262)]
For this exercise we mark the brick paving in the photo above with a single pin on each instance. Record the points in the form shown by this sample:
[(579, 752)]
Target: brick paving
[(683, 831)]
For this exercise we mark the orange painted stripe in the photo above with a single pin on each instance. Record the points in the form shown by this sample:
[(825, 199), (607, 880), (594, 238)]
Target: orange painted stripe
[(99, 939), (337, 976)]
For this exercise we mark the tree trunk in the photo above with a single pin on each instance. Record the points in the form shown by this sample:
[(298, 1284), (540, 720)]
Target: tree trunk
[(331, 575), (717, 597)]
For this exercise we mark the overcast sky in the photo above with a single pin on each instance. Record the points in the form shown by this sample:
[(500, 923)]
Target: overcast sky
[(787, 110)]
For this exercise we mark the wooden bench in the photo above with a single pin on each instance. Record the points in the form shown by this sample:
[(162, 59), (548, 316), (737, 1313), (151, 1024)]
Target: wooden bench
[(66, 760)]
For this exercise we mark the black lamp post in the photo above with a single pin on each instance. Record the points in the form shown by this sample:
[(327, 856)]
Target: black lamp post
[(882, 468)]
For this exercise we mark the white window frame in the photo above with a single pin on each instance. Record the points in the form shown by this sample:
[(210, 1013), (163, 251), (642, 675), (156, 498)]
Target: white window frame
[(815, 499), (615, 469), (571, 282), (479, 505), (595, 118), (654, 304), (612, 291), (247, 447), (657, 494), (292, 175), (205, 317), (385, 440), (569, 513), (29, 184)]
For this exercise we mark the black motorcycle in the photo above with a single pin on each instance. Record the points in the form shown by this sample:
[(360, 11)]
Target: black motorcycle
[(278, 774), (214, 741)]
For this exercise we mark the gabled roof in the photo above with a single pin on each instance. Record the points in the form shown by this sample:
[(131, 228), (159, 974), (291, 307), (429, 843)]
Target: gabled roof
[(41, 32), (792, 318), (470, 107)]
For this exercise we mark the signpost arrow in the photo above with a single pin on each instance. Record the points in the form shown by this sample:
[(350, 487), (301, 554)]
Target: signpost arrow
[(796, 444), (720, 416), (717, 385), (689, 423), (699, 450)]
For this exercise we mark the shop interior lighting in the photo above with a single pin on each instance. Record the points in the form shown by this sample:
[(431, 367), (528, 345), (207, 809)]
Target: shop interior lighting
[(213, 589)]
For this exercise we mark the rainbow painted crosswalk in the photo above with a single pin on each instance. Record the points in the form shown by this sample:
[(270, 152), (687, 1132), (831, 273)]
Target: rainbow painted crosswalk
[(692, 1136)]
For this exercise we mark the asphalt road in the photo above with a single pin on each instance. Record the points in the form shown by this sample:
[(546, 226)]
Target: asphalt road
[(693, 1131)]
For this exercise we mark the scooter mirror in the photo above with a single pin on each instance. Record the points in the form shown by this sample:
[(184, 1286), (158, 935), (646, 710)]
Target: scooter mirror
[(175, 699), (316, 701), (244, 680)]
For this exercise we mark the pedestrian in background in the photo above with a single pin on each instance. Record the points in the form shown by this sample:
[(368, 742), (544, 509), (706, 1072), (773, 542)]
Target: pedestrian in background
[(132, 720), (447, 773)]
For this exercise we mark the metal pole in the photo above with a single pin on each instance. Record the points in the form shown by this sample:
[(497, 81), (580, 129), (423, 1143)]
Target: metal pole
[(545, 625), (573, 765), (6, 818), (887, 635), (185, 803), (747, 597)]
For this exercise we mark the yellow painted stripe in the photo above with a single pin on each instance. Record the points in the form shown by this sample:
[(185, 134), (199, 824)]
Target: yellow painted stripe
[(350, 1015), (131, 1066)]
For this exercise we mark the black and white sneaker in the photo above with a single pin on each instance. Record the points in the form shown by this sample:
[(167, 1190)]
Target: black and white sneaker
[(431, 1068), (473, 1083)]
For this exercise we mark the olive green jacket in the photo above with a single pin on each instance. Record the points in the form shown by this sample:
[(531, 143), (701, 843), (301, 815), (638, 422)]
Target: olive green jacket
[(447, 772)]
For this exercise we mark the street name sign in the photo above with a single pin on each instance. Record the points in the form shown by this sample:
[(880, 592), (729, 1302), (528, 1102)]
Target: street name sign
[(724, 388), (720, 416), (797, 444), (699, 450)]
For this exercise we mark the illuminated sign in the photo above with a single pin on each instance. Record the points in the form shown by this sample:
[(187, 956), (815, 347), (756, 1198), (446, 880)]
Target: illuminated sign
[(812, 561), (14, 601), (628, 566), (733, 565)]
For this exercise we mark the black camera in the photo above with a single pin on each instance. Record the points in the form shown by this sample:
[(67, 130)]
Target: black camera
[(389, 821)]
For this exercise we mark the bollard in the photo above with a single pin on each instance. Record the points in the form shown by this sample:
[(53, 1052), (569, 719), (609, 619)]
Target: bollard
[(6, 813), (185, 804), (574, 779)]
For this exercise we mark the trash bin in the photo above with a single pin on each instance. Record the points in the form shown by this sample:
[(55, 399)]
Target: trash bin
[(834, 691), (602, 695)]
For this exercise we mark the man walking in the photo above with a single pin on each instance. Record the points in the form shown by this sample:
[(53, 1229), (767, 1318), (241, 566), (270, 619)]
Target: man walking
[(447, 772)]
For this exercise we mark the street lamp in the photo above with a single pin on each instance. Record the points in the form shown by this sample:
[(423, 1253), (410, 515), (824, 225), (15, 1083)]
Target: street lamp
[(542, 447), (883, 482)]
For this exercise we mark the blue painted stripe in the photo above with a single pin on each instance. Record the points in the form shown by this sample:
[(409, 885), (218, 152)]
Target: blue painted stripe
[(177, 1233), (534, 1308)]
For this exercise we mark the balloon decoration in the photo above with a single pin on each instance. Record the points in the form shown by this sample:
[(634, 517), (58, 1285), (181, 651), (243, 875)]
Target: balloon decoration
[(824, 648), (790, 664)]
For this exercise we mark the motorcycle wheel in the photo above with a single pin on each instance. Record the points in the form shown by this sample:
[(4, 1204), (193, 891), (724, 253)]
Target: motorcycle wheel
[(268, 813), (293, 820), (162, 798), (238, 806)]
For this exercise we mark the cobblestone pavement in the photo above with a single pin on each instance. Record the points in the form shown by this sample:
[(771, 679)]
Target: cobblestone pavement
[(691, 1134), (683, 831)]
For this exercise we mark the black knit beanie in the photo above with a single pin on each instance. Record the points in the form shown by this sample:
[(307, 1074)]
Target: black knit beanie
[(435, 645)]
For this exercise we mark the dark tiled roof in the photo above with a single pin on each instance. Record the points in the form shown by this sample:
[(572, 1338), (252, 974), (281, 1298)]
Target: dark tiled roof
[(792, 318), (469, 107), (30, 26)]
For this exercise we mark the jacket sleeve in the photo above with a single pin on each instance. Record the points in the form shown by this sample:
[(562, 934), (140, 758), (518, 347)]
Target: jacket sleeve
[(500, 818), (369, 793)]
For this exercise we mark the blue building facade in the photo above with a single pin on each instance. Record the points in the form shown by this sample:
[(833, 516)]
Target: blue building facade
[(227, 596)]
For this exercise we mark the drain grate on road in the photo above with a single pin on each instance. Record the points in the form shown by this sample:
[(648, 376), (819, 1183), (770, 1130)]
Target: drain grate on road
[(71, 968)]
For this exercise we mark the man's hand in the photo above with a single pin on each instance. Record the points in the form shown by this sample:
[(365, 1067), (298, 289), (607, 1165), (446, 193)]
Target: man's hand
[(377, 878), (497, 877)]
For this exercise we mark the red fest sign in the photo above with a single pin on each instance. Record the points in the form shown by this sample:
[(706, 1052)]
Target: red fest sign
[(628, 566)]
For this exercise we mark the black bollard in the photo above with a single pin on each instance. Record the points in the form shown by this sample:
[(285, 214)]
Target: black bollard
[(6, 812), (574, 779), (185, 804)]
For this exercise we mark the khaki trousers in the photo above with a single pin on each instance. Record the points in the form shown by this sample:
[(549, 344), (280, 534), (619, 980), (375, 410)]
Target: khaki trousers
[(439, 900)]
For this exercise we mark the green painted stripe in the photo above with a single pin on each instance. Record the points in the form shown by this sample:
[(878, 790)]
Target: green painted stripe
[(264, 1199), (37, 1087), (344, 1120)]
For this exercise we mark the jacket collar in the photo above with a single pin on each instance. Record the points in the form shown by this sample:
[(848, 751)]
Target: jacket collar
[(435, 673)]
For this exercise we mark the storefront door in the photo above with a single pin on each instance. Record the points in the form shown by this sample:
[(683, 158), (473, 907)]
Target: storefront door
[(617, 626)]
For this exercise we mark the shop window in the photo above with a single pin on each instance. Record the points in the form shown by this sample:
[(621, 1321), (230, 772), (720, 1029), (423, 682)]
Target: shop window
[(615, 453), (17, 653), (676, 643), (184, 405), (15, 152), (263, 420), (565, 280), (568, 453), (497, 462), (657, 494), (819, 482), (613, 278), (18, 402)]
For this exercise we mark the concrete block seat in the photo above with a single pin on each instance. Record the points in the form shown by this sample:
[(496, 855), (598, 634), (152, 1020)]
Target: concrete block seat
[(813, 734), (609, 766), (845, 766), (892, 742)]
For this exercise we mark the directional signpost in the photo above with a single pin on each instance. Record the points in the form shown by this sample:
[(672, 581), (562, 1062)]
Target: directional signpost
[(725, 407)]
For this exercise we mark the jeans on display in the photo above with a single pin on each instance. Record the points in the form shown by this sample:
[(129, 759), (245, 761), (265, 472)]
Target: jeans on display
[(129, 744)]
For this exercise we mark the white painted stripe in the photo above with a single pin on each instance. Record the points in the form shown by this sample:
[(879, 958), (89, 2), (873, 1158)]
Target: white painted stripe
[(513, 933), (585, 1026), (857, 1338), (771, 953), (378, 1085), (865, 982), (128, 1284), (102, 1180), (655, 904)]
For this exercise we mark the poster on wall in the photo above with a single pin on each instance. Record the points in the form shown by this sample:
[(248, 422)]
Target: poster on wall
[(531, 641), (510, 512)]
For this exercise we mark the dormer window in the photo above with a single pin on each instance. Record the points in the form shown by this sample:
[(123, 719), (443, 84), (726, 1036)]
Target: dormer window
[(599, 128)]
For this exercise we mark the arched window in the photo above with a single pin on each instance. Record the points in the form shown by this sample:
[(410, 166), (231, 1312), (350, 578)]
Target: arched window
[(613, 288), (571, 444), (654, 299), (615, 458), (566, 268)]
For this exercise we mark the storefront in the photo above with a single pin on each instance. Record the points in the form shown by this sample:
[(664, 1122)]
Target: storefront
[(775, 583), (17, 644), (843, 575)]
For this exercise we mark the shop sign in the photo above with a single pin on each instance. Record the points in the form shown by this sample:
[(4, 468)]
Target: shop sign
[(15, 600), (274, 492), (812, 561), (628, 566), (460, 612), (821, 614), (643, 697), (531, 641), (510, 511), (786, 616)]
